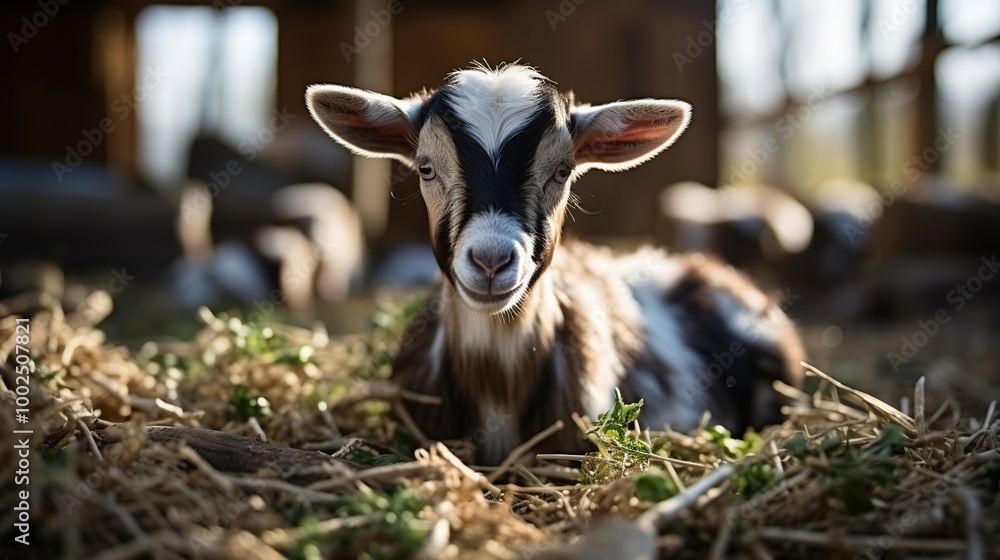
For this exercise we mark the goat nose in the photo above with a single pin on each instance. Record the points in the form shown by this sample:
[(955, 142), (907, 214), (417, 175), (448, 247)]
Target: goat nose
[(491, 262)]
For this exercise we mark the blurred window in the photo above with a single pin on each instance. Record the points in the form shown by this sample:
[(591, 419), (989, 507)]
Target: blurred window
[(220, 69), (836, 88)]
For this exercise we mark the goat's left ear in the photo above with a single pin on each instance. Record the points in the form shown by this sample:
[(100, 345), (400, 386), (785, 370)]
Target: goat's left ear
[(367, 123), (621, 135)]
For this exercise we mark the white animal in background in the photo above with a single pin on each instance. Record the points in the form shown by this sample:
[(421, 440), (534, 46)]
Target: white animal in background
[(327, 258)]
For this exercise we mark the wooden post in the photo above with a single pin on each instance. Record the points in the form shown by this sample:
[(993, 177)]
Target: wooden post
[(373, 71)]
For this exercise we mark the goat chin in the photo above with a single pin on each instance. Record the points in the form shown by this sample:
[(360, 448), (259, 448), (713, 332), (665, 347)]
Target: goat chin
[(686, 333)]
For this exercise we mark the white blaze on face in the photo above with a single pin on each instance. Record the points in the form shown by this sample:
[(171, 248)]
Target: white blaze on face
[(497, 104)]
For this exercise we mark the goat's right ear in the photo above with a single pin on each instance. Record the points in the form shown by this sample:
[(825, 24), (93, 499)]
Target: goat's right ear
[(367, 123)]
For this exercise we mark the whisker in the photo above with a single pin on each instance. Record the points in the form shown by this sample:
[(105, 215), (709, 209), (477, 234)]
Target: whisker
[(575, 201)]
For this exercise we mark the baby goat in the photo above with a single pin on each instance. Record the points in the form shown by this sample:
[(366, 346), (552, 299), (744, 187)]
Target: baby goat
[(523, 330)]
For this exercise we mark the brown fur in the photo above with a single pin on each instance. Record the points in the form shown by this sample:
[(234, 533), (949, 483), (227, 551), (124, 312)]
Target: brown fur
[(565, 332)]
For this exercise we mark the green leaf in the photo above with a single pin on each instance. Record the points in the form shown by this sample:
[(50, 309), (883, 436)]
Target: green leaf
[(655, 485), (620, 453), (730, 446), (855, 495), (395, 533), (753, 478), (797, 445), (246, 404), (621, 414), (833, 443), (890, 443)]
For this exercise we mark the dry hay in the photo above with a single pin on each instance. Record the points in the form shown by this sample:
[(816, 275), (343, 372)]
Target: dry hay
[(845, 475)]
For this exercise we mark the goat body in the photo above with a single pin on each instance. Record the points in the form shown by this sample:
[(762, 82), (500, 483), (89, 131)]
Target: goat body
[(684, 333), (524, 329)]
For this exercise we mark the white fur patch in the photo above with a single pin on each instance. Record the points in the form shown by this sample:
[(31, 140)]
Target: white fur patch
[(479, 333), (665, 338), (651, 273), (495, 103), (750, 325), (437, 352)]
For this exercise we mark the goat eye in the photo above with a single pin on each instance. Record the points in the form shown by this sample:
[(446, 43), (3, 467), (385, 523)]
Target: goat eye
[(426, 171), (562, 173)]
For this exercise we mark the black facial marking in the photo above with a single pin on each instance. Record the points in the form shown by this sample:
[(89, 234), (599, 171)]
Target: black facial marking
[(442, 243), (505, 185)]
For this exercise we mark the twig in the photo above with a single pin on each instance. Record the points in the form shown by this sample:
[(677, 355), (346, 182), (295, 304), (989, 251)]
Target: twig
[(331, 423), (418, 397), (454, 461), (407, 420), (141, 546), (384, 391), (124, 516), (528, 475), (555, 490), (142, 403), (90, 440), (257, 430), (282, 486), (989, 414), (385, 473), (520, 450), (877, 406), (568, 457), (673, 476), (350, 445), (549, 471), (215, 476), (582, 458), (857, 543), (778, 466), (918, 406), (722, 538), (973, 519), (941, 410), (758, 551), (666, 511), (984, 457), (440, 534), (326, 445), (281, 538), (672, 461), (827, 429), (581, 424)]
